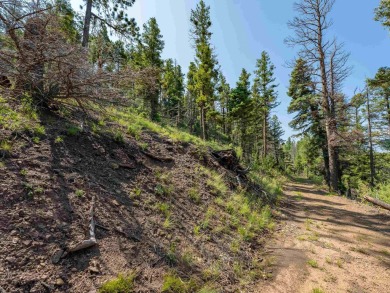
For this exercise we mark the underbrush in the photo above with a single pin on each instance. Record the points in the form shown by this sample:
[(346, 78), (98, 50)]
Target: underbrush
[(134, 124), (18, 120), (381, 192)]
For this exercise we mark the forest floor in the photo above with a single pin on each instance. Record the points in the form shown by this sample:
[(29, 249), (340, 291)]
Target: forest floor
[(329, 244)]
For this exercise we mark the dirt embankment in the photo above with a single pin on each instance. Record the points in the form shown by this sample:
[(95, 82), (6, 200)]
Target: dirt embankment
[(156, 212)]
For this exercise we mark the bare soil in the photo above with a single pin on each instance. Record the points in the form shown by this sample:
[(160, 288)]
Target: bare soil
[(46, 189), (329, 243)]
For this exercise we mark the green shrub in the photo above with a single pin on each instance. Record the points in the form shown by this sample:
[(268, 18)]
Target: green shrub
[(39, 130), (118, 137), (121, 284), (73, 130), (58, 139)]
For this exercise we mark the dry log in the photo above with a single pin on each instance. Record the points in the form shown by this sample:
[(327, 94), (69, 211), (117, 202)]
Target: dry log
[(377, 202), (92, 239)]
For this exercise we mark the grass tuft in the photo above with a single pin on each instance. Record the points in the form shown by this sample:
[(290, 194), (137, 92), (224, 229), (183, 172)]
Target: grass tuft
[(121, 284)]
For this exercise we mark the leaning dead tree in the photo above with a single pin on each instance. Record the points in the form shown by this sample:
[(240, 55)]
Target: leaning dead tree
[(38, 59), (328, 60)]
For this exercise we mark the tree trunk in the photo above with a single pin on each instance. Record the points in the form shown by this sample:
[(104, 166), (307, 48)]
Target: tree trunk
[(202, 121), (87, 23), (153, 106), (372, 165), (223, 120), (388, 111), (332, 153), (325, 156), (265, 135)]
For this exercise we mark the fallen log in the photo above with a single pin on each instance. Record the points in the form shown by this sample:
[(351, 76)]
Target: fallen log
[(92, 239), (377, 202)]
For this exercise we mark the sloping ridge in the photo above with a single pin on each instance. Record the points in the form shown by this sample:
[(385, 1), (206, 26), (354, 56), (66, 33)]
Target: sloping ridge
[(158, 214)]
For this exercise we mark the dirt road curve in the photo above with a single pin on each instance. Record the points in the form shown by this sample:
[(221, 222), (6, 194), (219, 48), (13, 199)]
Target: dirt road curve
[(329, 244)]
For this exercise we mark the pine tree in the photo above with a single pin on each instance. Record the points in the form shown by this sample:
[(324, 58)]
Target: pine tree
[(238, 109), (223, 99), (264, 94), (380, 86), (148, 55), (305, 103), (172, 90), (276, 132), (110, 13), (190, 98), (204, 60), (382, 13)]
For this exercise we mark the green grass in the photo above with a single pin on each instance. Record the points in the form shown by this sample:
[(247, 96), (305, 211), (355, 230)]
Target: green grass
[(58, 139), (317, 290), (382, 192), (174, 284), (193, 194), (80, 193), (164, 208), (135, 124), (121, 284), (313, 263), (214, 181), (24, 118), (5, 146), (118, 137)]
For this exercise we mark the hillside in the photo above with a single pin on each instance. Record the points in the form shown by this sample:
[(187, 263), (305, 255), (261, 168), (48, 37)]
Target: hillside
[(169, 217)]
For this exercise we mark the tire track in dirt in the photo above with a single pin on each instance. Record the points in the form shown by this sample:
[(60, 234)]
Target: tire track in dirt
[(329, 244)]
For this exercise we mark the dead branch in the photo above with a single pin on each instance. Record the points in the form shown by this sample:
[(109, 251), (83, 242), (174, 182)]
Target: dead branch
[(92, 239), (377, 202)]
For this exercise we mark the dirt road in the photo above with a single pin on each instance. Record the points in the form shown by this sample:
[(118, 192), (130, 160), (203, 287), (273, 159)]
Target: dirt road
[(329, 244)]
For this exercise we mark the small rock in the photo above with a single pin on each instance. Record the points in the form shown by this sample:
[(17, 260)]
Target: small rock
[(73, 270), (60, 282), (44, 277), (27, 242), (15, 240), (114, 166), (57, 256), (94, 270), (10, 259), (13, 233), (115, 203)]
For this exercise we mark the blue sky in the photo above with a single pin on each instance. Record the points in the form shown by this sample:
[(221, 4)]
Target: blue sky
[(242, 29)]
